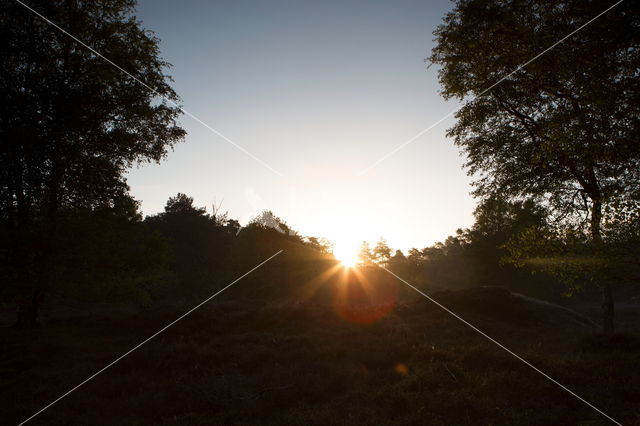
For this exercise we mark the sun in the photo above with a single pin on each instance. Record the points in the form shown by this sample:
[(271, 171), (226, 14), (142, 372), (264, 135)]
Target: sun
[(347, 254), (349, 262)]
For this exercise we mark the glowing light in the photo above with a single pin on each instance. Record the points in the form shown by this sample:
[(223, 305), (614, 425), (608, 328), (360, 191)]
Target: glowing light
[(364, 295), (346, 253), (401, 369)]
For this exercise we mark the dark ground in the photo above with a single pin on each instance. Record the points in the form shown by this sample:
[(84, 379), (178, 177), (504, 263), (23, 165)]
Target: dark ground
[(239, 362)]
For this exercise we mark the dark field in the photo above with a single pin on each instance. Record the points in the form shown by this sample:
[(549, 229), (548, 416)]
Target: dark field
[(239, 362)]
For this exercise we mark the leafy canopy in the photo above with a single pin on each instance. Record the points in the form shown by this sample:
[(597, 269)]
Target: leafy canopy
[(566, 126), (70, 123)]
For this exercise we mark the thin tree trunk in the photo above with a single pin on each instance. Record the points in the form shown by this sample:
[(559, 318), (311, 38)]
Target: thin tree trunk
[(596, 221), (608, 311), (34, 257), (22, 250), (28, 309)]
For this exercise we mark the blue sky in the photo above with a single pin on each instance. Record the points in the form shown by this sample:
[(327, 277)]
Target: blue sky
[(319, 91)]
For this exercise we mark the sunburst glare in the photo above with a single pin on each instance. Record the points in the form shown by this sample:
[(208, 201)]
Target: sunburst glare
[(346, 253)]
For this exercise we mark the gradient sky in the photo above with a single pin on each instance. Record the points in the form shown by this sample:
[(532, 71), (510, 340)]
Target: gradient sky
[(319, 91)]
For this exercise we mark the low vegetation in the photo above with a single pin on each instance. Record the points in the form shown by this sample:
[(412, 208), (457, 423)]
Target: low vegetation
[(240, 360)]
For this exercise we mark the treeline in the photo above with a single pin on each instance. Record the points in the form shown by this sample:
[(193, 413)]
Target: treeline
[(522, 246), (112, 254), (477, 256)]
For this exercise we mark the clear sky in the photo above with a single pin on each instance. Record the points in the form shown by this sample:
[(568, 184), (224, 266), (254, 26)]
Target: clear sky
[(319, 91)]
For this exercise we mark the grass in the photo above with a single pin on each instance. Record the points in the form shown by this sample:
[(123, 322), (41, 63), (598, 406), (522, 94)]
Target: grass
[(239, 362)]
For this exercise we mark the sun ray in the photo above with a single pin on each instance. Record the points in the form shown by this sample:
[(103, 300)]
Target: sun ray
[(347, 253), (311, 287)]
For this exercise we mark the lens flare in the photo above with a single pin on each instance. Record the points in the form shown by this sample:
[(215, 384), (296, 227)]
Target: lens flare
[(364, 295)]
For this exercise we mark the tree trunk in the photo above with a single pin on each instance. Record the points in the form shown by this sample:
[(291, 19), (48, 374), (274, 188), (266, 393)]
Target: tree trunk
[(35, 285), (607, 309), (596, 220), (36, 282), (28, 310), (34, 260), (607, 293)]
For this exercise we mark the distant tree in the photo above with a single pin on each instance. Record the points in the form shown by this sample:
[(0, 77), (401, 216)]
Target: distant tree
[(378, 255), (481, 255), (107, 255), (398, 257), (320, 244), (232, 226), (416, 256), (569, 255), (381, 252), (267, 220), (218, 216), (398, 263), (622, 232), (565, 126), (199, 243), (72, 124), (182, 203), (365, 255), (498, 222), (498, 218)]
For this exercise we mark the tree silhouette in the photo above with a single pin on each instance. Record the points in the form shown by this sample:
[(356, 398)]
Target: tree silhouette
[(365, 255), (381, 252), (198, 240), (398, 263), (565, 127), (182, 203), (72, 124), (266, 219), (320, 244)]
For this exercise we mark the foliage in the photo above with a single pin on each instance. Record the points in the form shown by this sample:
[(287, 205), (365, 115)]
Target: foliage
[(106, 257), (97, 255), (267, 220), (565, 126), (381, 252), (197, 242), (320, 244), (71, 124), (569, 255), (365, 255), (480, 255), (560, 126)]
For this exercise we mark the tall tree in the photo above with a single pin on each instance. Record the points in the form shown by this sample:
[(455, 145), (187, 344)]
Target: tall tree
[(365, 254), (70, 123), (566, 126), (381, 252)]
